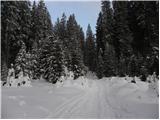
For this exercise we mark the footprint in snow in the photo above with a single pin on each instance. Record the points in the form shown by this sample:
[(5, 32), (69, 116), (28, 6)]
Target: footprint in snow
[(12, 97), (139, 97), (50, 92), (21, 103)]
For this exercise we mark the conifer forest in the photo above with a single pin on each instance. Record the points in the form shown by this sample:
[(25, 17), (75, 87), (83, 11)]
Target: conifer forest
[(37, 52)]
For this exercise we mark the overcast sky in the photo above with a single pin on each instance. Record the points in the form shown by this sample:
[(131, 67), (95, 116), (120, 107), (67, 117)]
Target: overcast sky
[(86, 12)]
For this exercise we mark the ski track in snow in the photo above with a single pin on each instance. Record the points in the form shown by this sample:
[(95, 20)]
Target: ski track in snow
[(66, 107)]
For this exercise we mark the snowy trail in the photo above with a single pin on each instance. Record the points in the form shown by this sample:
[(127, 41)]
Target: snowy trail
[(98, 99), (89, 105), (80, 106)]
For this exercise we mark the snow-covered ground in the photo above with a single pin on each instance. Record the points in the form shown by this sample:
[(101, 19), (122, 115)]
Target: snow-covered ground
[(92, 98)]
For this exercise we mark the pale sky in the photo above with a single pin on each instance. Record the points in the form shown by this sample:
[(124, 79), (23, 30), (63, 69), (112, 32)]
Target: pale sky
[(86, 12)]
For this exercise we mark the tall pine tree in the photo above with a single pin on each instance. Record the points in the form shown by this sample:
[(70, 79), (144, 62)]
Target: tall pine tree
[(90, 50)]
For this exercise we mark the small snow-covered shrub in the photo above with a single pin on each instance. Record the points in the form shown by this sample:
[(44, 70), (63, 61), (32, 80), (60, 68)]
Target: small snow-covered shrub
[(21, 80), (67, 74), (59, 83), (71, 75), (153, 83)]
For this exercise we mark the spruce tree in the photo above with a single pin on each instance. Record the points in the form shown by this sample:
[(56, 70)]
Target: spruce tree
[(109, 61), (100, 65), (105, 38), (52, 59), (143, 22), (20, 61), (90, 49), (25, 24), (122, 36), (60, 30), (77, 65), (10, 30), (107, 22), (41, 29), (99, 30)]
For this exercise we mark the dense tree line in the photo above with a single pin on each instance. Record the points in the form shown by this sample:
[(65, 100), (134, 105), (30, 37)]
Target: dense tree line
[(126, 41), (127, 38), (35, 46)]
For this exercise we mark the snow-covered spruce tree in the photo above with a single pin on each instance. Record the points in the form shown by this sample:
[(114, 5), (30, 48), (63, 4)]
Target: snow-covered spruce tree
[(35, 66), (43, 24), (77, 65), (60, 30), (29, 64), (41, 29), (51, 59), (20, 61)]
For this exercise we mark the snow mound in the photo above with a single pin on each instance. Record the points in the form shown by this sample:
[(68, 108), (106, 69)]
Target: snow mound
[(91, 75), (81, 82)]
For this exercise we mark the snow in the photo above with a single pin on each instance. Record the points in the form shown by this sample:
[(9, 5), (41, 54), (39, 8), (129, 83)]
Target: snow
[(85, 97)]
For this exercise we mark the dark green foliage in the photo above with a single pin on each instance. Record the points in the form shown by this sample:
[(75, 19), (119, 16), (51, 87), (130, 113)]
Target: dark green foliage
[(10, 27), (105, 40), (25, 23), (90, 59), (109, 61), (75, 51), (99, 30), (72, 38), (130, 29), (60, 30), (133, 66), (143, 21), (122, 34), (100, 65)]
